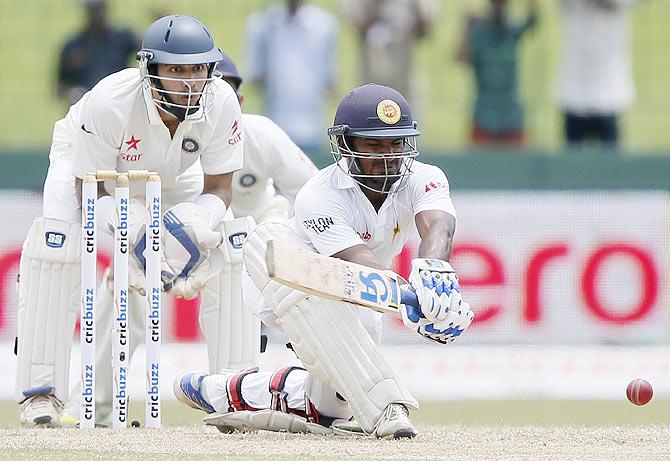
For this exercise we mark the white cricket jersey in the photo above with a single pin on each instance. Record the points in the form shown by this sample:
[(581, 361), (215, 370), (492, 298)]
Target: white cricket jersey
[(270, 159), (119, 127), (332, 213)]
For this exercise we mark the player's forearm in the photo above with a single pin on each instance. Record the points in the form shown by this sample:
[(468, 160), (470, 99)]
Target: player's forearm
[(436, 229), (437, 245), (360, 254), (219, 185)]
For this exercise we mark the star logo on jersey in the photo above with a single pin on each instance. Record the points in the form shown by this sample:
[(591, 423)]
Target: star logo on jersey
[(132, 144)]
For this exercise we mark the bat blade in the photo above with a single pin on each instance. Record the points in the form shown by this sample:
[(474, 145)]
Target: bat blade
[(337, 279)]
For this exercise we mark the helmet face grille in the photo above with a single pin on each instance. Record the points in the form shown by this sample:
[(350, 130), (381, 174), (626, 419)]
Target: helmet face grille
[(397, 165)]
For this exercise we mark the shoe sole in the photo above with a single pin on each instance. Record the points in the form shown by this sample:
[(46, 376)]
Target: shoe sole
[(404, 434), (42, 422)]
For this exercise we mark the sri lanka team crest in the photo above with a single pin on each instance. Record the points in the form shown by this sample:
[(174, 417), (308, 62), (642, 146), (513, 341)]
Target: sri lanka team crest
[(388, 111)]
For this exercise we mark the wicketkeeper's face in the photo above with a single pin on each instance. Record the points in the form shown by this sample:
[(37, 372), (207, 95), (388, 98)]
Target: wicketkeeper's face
[(183, 82)]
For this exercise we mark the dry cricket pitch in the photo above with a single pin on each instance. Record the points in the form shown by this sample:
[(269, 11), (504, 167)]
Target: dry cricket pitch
[(433, 442)]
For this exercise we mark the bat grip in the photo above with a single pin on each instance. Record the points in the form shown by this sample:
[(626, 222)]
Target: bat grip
[(411, 302), (408, 298)]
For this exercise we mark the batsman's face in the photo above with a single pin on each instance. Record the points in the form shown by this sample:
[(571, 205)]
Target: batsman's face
[(375, 163), (183, 78), (372, 157)]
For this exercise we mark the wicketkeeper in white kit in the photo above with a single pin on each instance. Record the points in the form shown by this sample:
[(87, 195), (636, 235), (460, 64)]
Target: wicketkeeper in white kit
[(176, 116), (362, 209)]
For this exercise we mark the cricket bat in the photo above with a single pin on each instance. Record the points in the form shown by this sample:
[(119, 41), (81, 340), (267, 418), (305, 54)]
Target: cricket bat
[(337, 279)]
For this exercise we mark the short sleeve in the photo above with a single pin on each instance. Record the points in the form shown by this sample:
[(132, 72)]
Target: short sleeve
[(225, 153), (290, 167), (325, 222), (98, 137), (430, 188)]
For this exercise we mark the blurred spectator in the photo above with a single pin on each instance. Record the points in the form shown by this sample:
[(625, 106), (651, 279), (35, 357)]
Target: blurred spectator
[(490, 46), (388, 30), (93, 53), (291, 54), (596, 75)]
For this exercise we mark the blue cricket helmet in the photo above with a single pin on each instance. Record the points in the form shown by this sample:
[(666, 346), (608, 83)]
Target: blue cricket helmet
[(374, 111), (178, 39), (229, 70)]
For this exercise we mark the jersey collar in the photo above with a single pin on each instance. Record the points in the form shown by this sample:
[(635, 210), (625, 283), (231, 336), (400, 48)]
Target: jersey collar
[(344, 181), (152, 110)]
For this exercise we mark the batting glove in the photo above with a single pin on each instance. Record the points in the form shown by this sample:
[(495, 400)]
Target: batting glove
[(436, 286)]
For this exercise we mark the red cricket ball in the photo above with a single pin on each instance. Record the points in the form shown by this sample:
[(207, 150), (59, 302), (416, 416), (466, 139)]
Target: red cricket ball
[(639, 391)]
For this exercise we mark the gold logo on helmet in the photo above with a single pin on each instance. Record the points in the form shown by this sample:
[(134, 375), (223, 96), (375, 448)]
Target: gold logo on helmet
[(388, 111)]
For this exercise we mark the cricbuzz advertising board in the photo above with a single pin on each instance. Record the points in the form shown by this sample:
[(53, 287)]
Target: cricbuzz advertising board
[(537, 268)]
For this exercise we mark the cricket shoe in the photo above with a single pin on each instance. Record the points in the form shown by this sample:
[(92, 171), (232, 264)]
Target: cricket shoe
[(186, 388), (395, 423), (41, 410)]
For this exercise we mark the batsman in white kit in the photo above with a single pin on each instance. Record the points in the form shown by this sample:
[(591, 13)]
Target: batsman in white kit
[(362, 209), (175, 116)]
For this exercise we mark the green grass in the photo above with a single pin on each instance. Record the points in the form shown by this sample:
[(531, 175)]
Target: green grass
[(469, 413), (32, 31)]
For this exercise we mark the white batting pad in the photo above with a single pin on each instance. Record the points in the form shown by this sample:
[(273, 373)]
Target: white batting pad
[(49, 290), (328, 337), (232, 332)]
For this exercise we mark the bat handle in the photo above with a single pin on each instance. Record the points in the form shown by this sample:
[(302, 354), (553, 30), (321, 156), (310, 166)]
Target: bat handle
[(411, 302), (408, 298)]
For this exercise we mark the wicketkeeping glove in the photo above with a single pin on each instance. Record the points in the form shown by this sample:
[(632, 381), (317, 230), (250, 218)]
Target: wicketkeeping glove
[(138, 217), (190, 247)]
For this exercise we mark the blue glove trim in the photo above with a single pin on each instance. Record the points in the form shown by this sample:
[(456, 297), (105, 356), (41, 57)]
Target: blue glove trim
[(175, 227), (430, 328), (139, 251)]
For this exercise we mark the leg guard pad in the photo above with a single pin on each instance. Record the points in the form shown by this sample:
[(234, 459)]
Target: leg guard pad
[(49, 296), (266, 420), (232, 332), (328, 337)]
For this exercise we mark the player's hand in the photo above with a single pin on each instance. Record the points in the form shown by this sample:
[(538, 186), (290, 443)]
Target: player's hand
[(445, 331), (137, 267), (436, 286), (138, 217), (188, 245)]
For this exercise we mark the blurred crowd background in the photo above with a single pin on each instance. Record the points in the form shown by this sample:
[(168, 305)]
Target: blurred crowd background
[(526, 75)]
